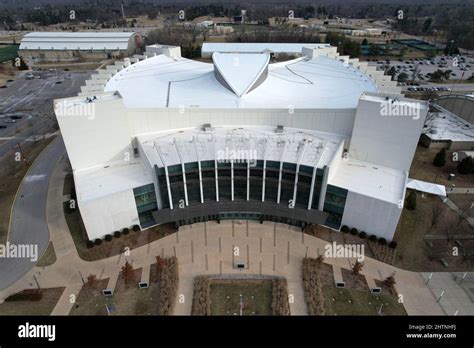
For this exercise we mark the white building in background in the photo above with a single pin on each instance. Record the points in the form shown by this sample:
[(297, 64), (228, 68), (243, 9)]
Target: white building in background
[(321, 139), (276, 49), (72, 46)]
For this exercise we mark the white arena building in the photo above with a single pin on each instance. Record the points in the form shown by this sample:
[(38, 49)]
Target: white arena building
[(321, 139)]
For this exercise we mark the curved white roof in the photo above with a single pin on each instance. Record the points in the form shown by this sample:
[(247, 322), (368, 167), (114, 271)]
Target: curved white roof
[(240, 71), (318, 83)]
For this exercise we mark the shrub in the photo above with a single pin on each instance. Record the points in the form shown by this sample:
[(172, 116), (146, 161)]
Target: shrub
[(117, 234), (344, 229), (201, 296), (98, 241), (362, 234), (411, 201), (136, 228), (353, 231), (168, 280), (393, 244), (108, 237), (466, 166), (125, 231), (89, 244), (280, 304), (373, 238), (440, 158), (313, 287), (382, 241)]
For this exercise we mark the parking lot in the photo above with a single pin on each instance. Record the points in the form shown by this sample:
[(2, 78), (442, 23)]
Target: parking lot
[(26, 105), (461, 67)]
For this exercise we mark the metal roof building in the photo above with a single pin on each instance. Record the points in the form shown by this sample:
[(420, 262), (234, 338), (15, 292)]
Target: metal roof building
[(60, 45)]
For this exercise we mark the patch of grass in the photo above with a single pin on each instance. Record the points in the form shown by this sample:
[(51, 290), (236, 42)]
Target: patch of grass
[(225, 297), (42, 307), (48, 258), (127, 299), (358, 302), (412, 248), (422, 168)]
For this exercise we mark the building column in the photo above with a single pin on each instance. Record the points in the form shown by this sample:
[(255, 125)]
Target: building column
[(311, 193), (200, 182), (248, 180), (232, 180), (217, 181), (324, 185), (168, 187)]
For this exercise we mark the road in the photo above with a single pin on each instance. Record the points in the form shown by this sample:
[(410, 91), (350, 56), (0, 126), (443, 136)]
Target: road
[(456, 87), (28, 224)]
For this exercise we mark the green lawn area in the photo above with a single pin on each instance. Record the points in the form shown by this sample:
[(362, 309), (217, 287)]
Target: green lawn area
[(225, 297), (42, 307), (357, 302), (8, 52)]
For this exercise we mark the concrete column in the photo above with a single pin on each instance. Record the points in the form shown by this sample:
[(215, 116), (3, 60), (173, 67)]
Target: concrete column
[(313, 181), (324, 184)]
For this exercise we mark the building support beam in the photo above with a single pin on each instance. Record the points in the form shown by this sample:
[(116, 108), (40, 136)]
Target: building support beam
[(324, 185)]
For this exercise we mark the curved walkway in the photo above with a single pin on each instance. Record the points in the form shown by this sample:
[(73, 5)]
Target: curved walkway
[(28, 224)]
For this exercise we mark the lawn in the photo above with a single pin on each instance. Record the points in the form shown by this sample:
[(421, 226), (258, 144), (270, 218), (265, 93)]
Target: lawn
[(48, 258), (42, 307), (256, 297), (422, 168), (358, 302)]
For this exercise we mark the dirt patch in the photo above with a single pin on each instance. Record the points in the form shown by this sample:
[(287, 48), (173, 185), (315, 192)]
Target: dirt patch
[(357, 282)]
